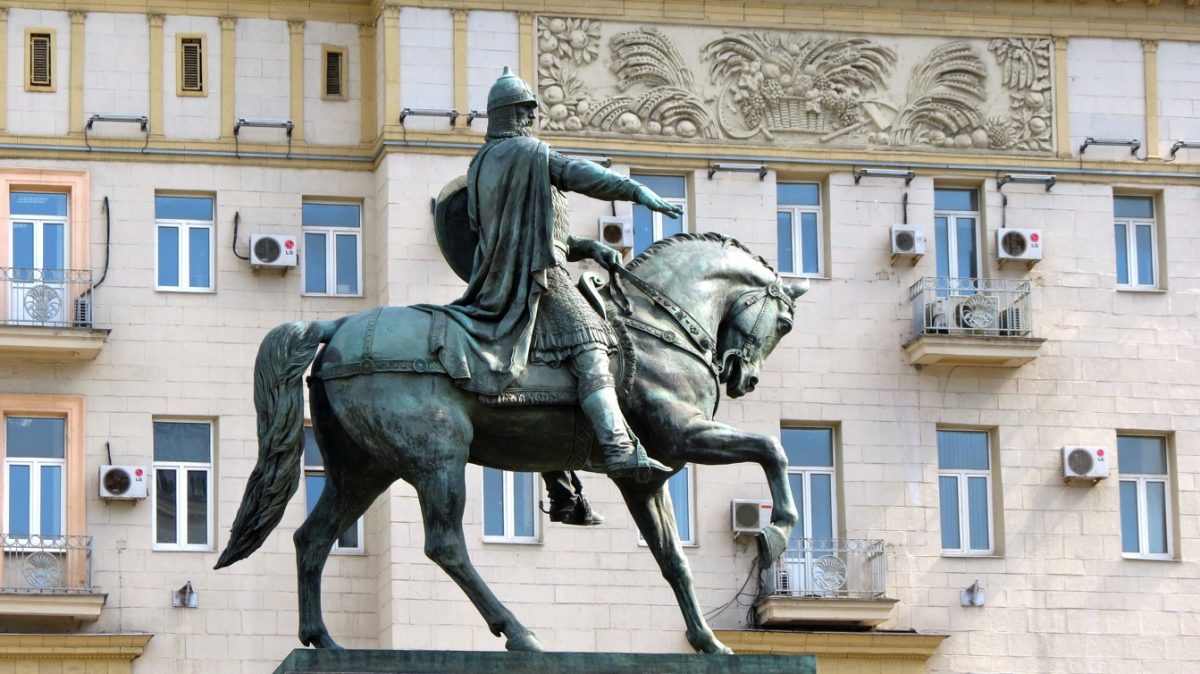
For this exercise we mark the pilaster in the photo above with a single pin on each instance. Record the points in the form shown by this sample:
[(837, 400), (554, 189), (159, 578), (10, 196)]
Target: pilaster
[(156, 73), (1150, 78), (228, 61), (525, 45), (460, 62), (391, 65), (296, 78), (76, 90), (366, 61), (3, 71), (1062, 118)]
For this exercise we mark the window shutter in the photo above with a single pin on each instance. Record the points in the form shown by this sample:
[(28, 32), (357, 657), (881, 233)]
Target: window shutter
[(192, 53), (40, 60), (333, 74)]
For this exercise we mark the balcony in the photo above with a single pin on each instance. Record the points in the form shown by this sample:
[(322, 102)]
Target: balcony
[(971, 321), (46, 314), (823, 581), (47, 577)]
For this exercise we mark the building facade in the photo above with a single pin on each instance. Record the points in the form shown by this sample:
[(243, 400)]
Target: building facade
[(994, 203)]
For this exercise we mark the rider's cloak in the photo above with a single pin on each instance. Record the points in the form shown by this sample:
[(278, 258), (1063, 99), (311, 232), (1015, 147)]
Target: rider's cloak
[(484, 343)]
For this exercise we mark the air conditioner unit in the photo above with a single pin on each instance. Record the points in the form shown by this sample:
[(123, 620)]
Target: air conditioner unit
[(1084, 463), (616, 232), (749, 517), (272, 251), (963, 312), (1023, 245), (122, 482), (908, 241)]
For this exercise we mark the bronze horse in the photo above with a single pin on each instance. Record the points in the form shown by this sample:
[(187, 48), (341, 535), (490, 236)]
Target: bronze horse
[(702, 311)]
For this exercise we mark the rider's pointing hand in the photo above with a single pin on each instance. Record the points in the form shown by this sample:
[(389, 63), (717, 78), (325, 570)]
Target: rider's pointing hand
[(646, 197)]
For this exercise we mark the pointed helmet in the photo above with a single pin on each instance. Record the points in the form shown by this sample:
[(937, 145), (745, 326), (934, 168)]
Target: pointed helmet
[(508, 90)]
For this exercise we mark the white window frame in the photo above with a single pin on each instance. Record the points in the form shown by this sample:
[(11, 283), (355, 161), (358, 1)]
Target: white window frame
[(1143, 515), (185, 245), (1131, 252), (952, 218), (510, 517), (331, 234), (656, 218), (961, 476), (802, 570), (35, 486), (798, 236), (691, 541), (181, 469), (338, 549)]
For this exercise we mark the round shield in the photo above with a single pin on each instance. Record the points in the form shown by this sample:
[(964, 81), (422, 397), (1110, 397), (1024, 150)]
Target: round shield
[(452, 225)]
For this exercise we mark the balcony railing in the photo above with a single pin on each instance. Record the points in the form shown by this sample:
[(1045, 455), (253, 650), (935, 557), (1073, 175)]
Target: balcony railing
[(841, 567), (50, 298), (45, 565), (946, 305)]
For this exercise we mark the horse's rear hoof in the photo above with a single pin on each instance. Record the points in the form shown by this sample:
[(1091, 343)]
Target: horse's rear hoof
[(524, 642), (321, 641), (771, 543)]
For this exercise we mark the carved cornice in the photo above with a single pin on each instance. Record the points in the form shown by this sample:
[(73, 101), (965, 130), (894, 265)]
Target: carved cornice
[(77, 15), (390, 11), (459, 13), (296, 27), (156, 20), (366, 30), (228, 22), (1150, 46)]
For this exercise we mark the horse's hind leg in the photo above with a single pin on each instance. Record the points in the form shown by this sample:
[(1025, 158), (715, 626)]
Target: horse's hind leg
[(442, 493)]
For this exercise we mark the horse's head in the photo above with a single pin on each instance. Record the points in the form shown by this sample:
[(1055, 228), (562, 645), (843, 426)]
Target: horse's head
[(754, 324)]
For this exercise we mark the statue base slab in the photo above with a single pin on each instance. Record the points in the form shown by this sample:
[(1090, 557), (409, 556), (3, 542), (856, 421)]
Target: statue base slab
[(313, 661)]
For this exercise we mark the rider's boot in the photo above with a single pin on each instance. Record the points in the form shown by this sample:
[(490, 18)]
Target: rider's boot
[(567, 504), (624, 456)]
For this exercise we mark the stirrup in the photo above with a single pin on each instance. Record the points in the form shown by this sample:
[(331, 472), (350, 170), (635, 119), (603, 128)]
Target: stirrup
[(637, 465)]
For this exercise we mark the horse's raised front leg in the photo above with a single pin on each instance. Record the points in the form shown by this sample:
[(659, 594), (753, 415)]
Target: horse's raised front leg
[(650, 505), (443, 495), (713, 443)]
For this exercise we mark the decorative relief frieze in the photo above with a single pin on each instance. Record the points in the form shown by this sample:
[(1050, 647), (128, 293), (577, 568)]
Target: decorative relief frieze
[(794, 89)]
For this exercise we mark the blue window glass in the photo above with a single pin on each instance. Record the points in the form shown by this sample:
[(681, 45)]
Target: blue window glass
[(968, 257), (1145, 254), (182, 441), (199, 254), (977, 511), (947, 199), (36, 437), (168, 257), (183, 208), (948, 502), (677, 486), (796, 481), (962, 450), (347, 264), (1146, 455), (54, 246), (798, 194), (1133, 207), (37, 203), (822, 505), (808, 230), (1122, 241), (315, 263), (1129, 517), (667, 187), (197, 507), (314, 485), (670, 226), (330, 215), (1156, 517), (20, 489), (22, 250), (785, 239), (941, 240), (643, 228), (493, 502), (165, 505), (523, 516), (312, 453), (808, 446), (52, 501)]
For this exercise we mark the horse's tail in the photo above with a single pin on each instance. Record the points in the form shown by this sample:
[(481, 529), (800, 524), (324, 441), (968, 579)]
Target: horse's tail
[(283, 356)]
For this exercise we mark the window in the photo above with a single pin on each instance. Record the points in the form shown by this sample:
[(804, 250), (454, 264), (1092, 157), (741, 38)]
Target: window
[(39, 62), (682, 488), (332, 248), (650, 226), (799, 225), (1137, 242), (334, 59), (191, 66), (184, 232), (1145, 496), (35, 476), (811, 476), (39, 284), (509, 510), (182, 496), (955, 226), (351, 540), (965, 492)]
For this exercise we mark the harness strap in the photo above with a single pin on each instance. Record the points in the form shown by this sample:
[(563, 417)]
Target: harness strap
[(691, 327)]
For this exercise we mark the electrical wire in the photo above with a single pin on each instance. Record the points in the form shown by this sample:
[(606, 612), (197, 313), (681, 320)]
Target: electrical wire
[(736, 599), (237, 219)]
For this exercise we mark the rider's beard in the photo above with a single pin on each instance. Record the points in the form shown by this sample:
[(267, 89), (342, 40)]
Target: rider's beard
[(509, 122)]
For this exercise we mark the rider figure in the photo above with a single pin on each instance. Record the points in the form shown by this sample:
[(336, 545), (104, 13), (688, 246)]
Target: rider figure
[(520, 306)]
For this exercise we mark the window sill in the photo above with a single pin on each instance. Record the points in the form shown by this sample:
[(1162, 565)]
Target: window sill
[(189, 291), (972, 555), (511, 541), (1148, 558), (811, 277), (347, 296), (1135, 289), (682, 544), (354, 552), (157, 548)]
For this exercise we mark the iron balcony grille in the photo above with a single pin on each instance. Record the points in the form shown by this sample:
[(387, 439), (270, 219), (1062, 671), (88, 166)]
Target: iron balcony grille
[(45, 564), (853, 568), (51, 298), (948, 305)]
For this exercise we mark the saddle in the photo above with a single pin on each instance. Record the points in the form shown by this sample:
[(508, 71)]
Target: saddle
[(401, 339)]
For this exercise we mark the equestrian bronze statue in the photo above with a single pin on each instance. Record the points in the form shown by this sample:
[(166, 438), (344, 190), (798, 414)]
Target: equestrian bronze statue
[(524, 372)]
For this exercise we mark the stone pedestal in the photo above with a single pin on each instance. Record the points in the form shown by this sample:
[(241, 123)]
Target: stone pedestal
[(306, 661)]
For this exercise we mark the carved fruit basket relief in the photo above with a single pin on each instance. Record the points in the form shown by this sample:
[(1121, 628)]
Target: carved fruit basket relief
[(792, 88)]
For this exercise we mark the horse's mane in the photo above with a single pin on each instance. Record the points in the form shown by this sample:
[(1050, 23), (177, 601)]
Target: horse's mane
[(713, 237)]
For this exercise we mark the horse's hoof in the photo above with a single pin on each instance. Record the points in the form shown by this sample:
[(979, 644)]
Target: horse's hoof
[(322, 640), (771, 544), (524, 642)]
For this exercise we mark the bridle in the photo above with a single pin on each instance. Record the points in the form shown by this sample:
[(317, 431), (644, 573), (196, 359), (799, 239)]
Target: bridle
[(759, 332)]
